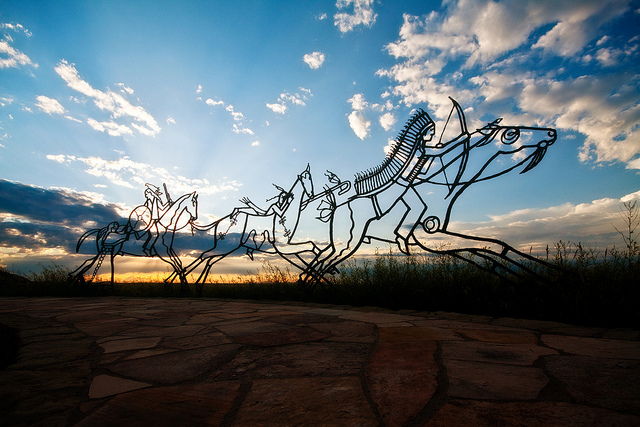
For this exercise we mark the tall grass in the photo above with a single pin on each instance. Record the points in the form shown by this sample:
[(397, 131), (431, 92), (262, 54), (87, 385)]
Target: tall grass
[(582, 285)]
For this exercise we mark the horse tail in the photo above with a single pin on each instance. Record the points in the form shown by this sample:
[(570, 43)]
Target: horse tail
[(84, 236)]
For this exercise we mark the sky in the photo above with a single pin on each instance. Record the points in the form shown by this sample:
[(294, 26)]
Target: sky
[(227, 98)]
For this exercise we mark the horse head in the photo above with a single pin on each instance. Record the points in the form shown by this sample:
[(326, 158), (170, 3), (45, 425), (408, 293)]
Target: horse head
[(307, 183), (191, 205), (486, 153), (525, 146)]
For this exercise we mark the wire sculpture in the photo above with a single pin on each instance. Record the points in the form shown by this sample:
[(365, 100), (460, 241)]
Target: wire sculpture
[(418, 171), (154, 222)]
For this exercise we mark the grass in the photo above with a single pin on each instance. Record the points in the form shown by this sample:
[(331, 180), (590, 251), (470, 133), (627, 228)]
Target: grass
[(585, 286), (595, 289)]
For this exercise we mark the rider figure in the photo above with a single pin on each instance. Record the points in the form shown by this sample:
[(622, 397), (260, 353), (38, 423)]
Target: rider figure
[(277, 208), (157, 207)]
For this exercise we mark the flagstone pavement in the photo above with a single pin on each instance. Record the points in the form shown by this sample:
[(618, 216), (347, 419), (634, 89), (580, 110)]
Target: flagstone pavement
[(189, 362)]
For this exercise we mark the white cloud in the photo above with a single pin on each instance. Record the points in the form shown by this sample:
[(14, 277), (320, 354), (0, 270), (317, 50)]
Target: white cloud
[(280, 106), (73, 119), (359, 124), (237, 116), (171, 121), (591, 223), (322, 17), (9, 56), (214, 103), (358, 102), (125, 89), (361, 14), (109, 101), (125, 172), (49, 105), (598, 107), (358, 120), (387, 120), (237, 129), (112, 128), (255, 144), (314, 60), (4, 101), (493, 41), (199, 89), (277, 108)]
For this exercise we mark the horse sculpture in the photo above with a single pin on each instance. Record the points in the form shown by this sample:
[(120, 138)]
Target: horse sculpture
[(116, 239), (448, 166), (271, 230), (416, 185)]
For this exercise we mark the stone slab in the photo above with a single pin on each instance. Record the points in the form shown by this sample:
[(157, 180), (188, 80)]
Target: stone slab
[(306, 401), (608, 383), (512, 354), (492, 381), (296, 360), (401, 377), (186, 405), (174, 367), (107, 385), (595, 347), (530, 414)]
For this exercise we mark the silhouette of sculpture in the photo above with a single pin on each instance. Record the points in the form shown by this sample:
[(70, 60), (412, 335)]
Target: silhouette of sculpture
[(148, 223), (418, 183)]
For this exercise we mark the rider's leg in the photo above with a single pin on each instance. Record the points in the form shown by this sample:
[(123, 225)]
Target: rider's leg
[(416, 209)]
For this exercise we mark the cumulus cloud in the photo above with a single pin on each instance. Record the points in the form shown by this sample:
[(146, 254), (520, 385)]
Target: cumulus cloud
[(285, 99), (354, 13), (495, 42), (314, 60), (49, 105), (114, 103), (358, 118), (387, 120)]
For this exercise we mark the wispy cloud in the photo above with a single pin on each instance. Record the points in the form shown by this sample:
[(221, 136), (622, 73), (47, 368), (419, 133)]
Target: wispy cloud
[(237, 116), (10, 56), (358, 12), (49, 105), (116, 104), (125, 172), (285, 99), (314, 60)]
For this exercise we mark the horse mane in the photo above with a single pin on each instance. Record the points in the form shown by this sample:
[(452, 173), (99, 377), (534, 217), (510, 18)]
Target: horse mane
[(397, 159)]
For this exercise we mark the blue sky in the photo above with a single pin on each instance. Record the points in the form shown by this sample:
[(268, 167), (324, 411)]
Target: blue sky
[(226, 98)]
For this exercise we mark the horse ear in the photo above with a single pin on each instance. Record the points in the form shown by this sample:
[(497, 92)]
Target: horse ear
[(308, 169)]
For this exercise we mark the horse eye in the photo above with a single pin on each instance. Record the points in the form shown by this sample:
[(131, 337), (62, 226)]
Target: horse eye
[(509, 136)]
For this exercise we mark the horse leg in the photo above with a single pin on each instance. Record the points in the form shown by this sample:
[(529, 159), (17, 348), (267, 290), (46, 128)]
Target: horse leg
[(77, 275), (113, 256), (495, 256)]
